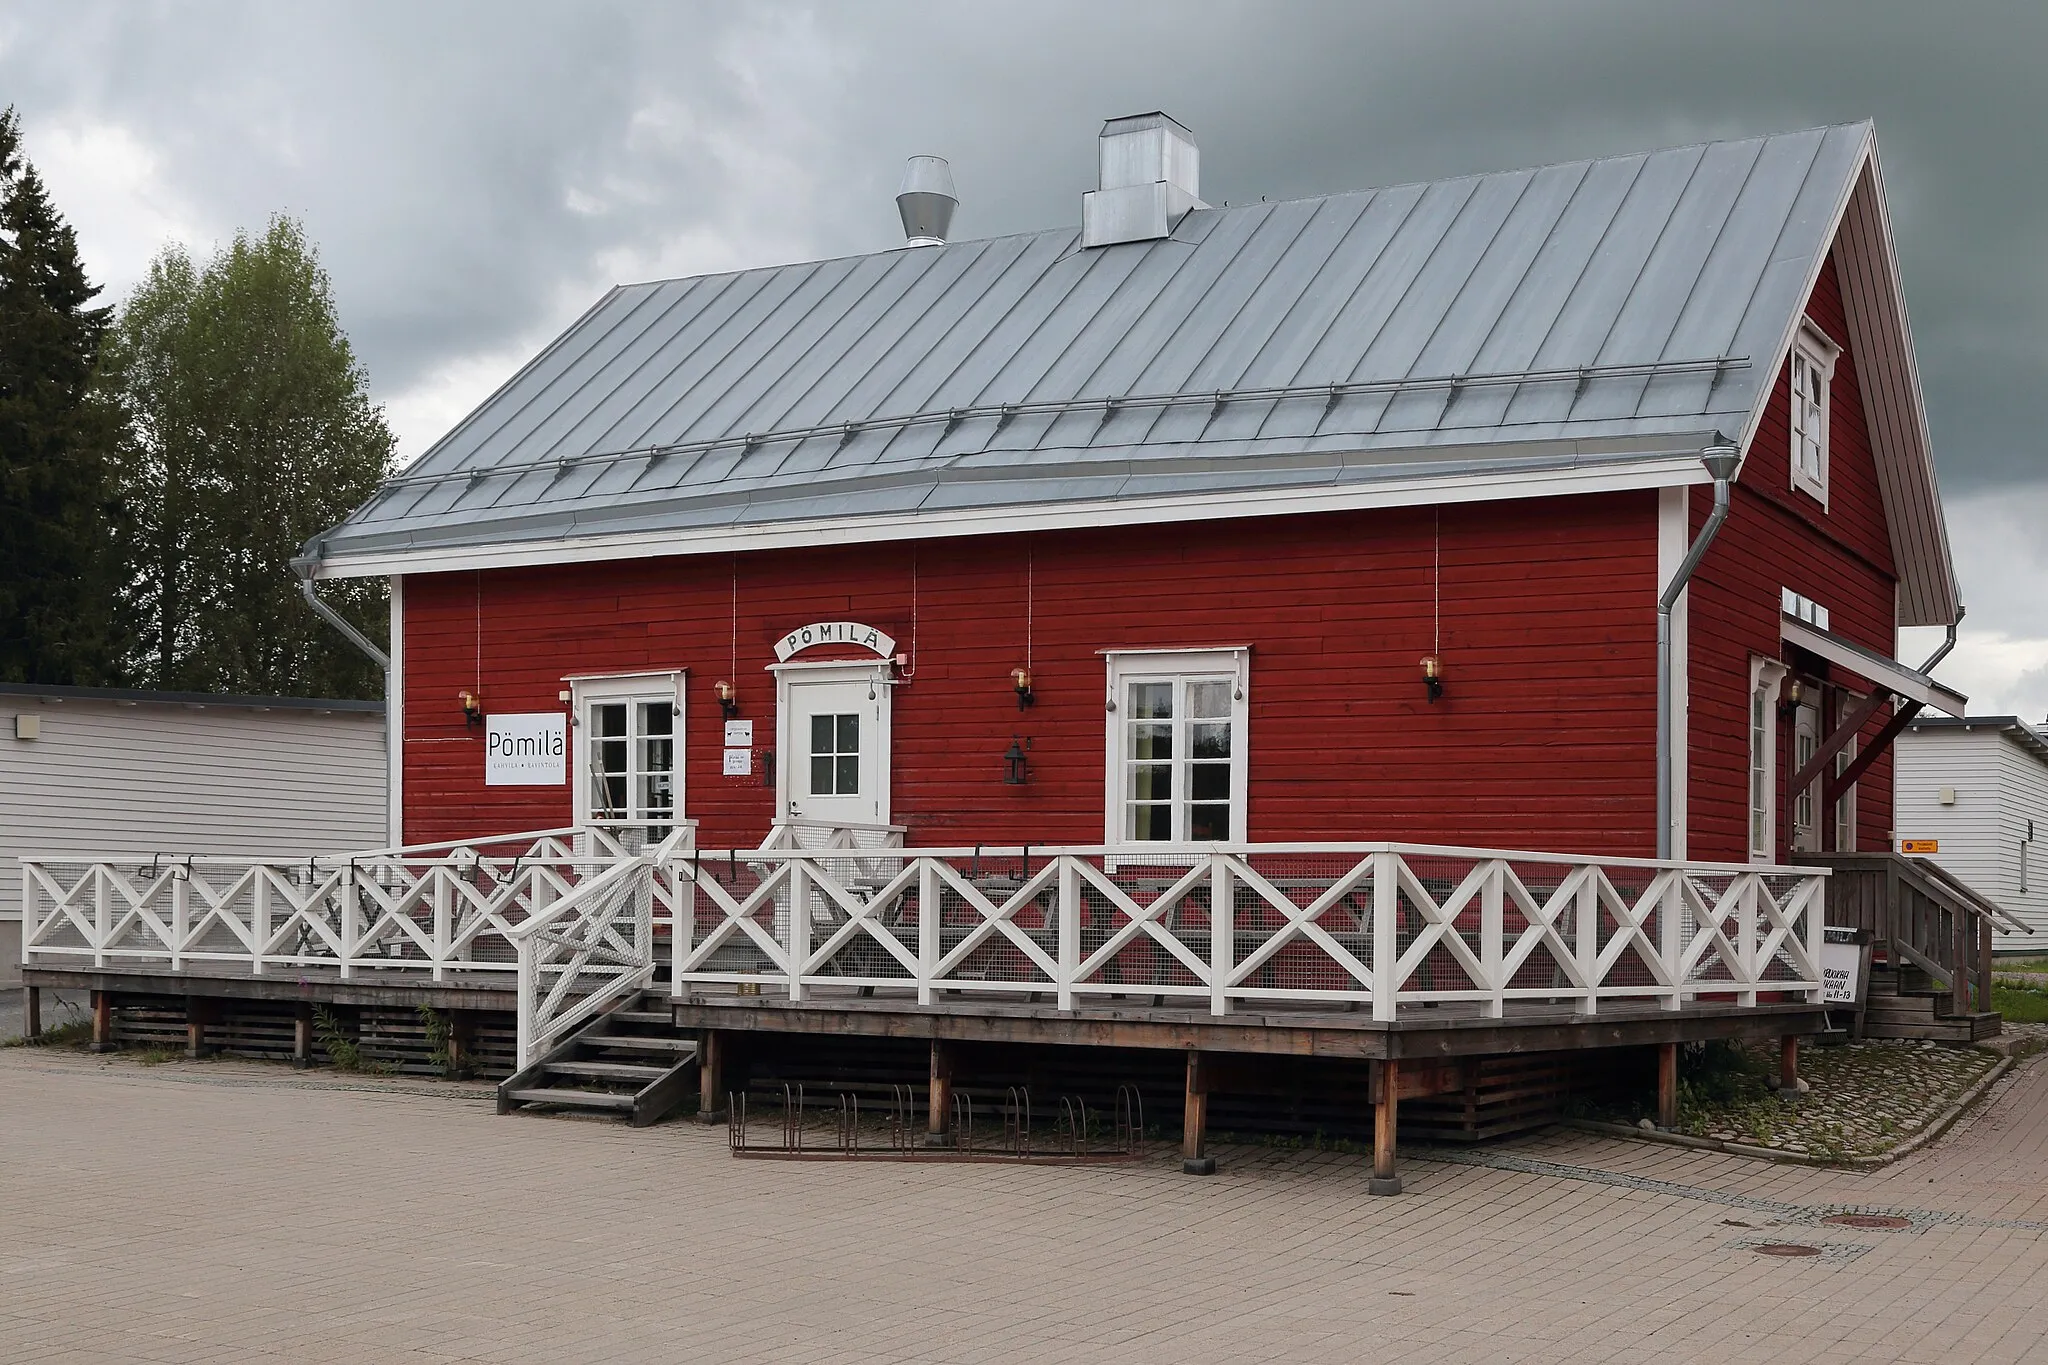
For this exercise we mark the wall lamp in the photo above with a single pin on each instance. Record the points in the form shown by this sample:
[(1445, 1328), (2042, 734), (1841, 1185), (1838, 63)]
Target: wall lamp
[(728, 698), (472, 708), (1433, 676), (1020, 678), (1789, 699), (1016, 768)]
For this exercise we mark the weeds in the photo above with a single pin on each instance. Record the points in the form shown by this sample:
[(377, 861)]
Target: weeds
[(439, 1031), (341, 1048)]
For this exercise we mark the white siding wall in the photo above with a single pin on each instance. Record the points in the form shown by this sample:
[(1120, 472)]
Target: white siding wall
[(107, 778), (1999, 786)]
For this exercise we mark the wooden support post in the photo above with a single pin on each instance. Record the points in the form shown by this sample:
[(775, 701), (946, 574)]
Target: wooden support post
[(938, 1128), (102, 1021), (1386, 1125), (461, 1044), (710, 1076), (302, 1036), (1667, 1085), (1962, 953), (1788, 1064), (1983, 963), (1194, 1124), (198, 1013), (31, 1012)]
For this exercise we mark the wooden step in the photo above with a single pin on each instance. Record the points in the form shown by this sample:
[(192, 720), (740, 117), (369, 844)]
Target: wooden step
[(626, 1042), (610, 1071), (573, 1099), (654, 1018)]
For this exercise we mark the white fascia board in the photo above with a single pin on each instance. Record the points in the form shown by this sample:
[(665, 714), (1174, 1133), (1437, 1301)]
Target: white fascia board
[(1491, 486), (1888, 673)]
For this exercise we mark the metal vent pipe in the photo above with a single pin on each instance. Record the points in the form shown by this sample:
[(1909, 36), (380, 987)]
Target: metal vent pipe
[(926, 201)]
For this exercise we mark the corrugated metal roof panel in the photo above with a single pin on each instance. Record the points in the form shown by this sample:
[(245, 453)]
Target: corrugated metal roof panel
[(1639, 262)]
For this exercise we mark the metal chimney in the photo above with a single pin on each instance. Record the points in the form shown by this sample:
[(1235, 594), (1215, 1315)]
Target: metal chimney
[(926, 201), (1149, 177)]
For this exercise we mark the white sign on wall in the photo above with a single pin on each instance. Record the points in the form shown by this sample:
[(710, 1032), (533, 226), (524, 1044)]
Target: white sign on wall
[(739, 762), (834, 633), (739, 734), (526, 750)]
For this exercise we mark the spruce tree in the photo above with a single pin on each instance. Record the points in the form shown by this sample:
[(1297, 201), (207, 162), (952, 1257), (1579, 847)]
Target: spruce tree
[(56, 621)]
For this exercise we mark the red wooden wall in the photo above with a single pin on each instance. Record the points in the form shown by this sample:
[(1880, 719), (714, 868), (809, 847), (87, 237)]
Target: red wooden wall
[(1544, 738), (1839, 556)]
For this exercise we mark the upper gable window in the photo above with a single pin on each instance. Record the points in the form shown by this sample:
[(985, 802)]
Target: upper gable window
[(1813, 369)]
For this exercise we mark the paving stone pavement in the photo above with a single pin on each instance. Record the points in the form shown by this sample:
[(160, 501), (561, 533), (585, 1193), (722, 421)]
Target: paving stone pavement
[(228, 1211)]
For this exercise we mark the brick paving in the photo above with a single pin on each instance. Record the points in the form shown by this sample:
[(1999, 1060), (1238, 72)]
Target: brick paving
[(223, 1211)]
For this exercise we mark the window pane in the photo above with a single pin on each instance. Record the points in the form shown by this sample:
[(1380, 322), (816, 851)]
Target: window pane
[(658, 718), (657, 793), (821, 734), (1151, 701), (849, 775), (1151, 741), (821, 775), (1150, 824), (1151, 782), (1210, 740), (609, 720), (849, 734), (1209, 822), (1209, 782), (1209, 700), (613, 790)]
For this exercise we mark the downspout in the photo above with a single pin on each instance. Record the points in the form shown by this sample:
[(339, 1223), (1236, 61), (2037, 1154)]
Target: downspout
[(1720, 458), (304, 568), (1946, 645)]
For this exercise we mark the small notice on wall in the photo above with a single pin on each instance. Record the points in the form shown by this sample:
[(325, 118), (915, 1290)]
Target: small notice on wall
[(739, 762), (739, 734), (526, 750), (1919, 845)]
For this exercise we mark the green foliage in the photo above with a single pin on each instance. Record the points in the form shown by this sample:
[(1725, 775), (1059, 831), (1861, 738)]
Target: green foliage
[(338, 1041), (439, 1030), (2020, 1005), (249, 430), (56, 565)]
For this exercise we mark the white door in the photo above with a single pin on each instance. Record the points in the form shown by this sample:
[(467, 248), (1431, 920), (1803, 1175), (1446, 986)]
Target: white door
[(835, 748), (1805, 804)]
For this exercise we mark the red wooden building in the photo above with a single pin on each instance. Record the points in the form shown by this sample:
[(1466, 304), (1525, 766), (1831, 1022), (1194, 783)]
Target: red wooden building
[(1345, 518), (1406, 633)]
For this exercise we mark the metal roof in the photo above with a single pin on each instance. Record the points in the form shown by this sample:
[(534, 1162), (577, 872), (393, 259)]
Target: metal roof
[(1593, 315)]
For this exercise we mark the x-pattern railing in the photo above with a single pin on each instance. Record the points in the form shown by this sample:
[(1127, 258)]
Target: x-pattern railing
[(1380, 924)]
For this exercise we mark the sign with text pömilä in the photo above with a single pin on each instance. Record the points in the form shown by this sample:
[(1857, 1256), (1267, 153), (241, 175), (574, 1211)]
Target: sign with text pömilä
[(526, 750), (834, 633)]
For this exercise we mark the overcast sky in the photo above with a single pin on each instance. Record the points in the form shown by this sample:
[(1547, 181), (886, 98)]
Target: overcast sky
[(476, 174)]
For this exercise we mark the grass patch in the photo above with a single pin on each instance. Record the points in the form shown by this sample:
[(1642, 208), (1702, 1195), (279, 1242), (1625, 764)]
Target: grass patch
[(2020, 1005)]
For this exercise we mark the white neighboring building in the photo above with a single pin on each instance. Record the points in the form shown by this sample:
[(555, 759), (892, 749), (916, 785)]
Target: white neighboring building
[(92, 770), (1978, 786)]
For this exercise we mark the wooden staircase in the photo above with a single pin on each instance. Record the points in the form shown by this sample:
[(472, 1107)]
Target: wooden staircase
[(1913, 1005), (632, 1062)]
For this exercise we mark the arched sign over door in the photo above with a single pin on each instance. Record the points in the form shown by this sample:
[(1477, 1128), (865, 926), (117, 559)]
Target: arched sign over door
[(854, 633)]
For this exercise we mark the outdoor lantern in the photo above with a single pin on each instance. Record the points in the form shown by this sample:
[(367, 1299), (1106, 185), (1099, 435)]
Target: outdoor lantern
[(1793, 695), (728, 698), (472, 708), (1020, 678), (1433, 675), (1016, 769)]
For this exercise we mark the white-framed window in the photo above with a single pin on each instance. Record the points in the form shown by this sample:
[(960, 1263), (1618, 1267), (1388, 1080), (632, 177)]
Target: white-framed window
[(1765, 676), (1176, 746), (1813, 370), (628, 750)]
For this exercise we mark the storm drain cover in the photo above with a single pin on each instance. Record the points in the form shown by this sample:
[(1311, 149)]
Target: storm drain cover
[(1867, 1220), (1785, 1249)]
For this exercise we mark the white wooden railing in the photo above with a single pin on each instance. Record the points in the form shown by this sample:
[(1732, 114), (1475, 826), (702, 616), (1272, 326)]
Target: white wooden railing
[(1348, 925)]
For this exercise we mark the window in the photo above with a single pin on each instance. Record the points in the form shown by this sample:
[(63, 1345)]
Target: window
[(1813, 366), (1764, 677), (1177, 747), (1845, 805), (835, 755), (631, 769)]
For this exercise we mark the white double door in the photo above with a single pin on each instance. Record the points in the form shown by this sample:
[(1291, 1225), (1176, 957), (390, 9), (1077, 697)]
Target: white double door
[(833, 752)]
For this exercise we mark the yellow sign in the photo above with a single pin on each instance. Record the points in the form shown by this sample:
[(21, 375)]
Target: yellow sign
[(1919, 845)]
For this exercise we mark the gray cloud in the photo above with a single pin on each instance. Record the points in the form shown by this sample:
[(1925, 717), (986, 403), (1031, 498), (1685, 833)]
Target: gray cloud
[(477, 173)]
